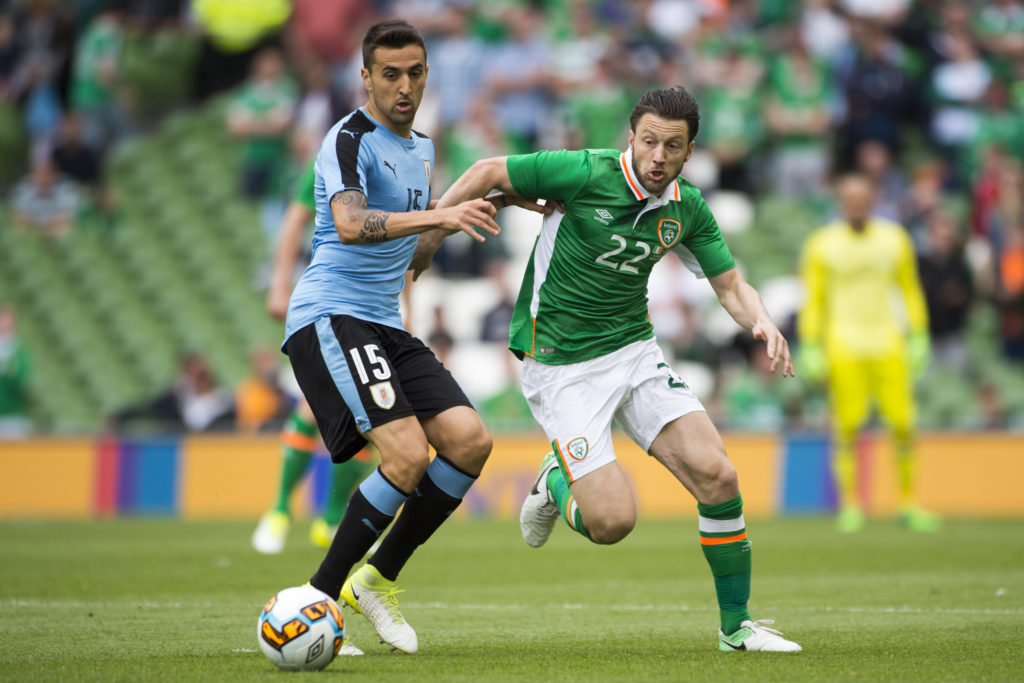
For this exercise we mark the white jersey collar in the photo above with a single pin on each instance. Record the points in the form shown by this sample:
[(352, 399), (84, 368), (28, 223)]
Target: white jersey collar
[(639, 191)]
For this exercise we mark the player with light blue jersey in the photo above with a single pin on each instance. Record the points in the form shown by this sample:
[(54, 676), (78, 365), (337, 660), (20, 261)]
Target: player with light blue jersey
[(364, 376), (393, 174)]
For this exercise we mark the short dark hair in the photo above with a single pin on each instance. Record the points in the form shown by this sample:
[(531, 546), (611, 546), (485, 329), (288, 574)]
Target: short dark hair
[(674, 103), (393, 33)]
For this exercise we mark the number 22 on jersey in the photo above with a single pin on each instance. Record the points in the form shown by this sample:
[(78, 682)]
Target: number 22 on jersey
[(628, 265)]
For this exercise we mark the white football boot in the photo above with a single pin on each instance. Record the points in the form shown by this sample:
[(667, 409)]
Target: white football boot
[(376, 598), (271, 533), (755, 636), (539, 513)]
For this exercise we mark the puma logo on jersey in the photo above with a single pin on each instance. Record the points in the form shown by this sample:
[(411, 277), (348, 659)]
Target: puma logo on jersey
[(602, 216), (349, 132), (392, 168)]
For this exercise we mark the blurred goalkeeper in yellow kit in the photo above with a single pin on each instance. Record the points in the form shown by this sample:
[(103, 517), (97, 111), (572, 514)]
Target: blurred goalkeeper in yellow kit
[(864, 327)]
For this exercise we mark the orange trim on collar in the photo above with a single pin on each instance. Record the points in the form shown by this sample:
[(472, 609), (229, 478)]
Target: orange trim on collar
[(637, 192)]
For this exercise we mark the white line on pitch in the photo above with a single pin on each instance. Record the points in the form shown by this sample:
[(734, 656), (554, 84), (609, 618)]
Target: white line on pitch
[(878, 609)]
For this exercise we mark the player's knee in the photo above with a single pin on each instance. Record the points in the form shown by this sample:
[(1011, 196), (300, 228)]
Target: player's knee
[(611, 529), (727, 481), (405, 467), (481, 445), (718, 482), (471, 450)]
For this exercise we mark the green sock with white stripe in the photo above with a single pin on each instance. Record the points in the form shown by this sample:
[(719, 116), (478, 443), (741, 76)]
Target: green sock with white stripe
[(723, 538), (566, 502)]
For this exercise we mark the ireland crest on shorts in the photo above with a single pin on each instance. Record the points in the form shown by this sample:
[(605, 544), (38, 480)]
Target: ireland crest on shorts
[(578, 448), (383, 394), (669, 231)]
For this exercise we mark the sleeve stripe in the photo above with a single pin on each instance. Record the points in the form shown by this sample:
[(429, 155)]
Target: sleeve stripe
[(346, 146)]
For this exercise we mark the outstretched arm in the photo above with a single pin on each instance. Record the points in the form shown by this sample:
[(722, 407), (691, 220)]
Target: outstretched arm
[(357, 224), (744, 304), (481, 178)]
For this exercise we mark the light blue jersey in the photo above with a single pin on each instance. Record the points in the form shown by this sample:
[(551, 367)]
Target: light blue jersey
[(362, 280)]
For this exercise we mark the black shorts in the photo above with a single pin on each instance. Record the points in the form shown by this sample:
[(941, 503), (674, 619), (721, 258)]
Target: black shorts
[(357, 375)]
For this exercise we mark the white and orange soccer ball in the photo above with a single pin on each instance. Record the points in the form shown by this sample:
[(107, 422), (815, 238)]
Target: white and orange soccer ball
[(300, 629)]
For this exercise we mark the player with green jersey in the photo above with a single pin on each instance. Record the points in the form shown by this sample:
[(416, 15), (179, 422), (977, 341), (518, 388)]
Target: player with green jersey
[(589, 354), (584, 293)]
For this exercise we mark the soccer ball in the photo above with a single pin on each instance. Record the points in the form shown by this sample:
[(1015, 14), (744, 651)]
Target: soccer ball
[(300, 629)]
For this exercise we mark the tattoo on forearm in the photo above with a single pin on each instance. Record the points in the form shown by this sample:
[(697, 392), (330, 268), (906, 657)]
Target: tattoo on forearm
[(375, 228), (374, 222), (354, 203)]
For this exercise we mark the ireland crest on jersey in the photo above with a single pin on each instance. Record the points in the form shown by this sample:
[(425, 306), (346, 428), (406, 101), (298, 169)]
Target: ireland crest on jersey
[(669, 231)]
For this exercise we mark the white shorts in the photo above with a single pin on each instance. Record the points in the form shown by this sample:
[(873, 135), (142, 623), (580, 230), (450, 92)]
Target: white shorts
[(575, 403)]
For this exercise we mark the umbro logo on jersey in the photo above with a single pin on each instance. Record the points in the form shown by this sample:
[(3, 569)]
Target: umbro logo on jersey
[(602, 216), (392, 168)]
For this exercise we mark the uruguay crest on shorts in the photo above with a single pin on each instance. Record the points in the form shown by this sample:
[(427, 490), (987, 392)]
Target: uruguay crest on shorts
[(383, 394)]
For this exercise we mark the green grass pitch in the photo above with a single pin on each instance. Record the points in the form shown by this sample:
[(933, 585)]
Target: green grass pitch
[(158, 599)]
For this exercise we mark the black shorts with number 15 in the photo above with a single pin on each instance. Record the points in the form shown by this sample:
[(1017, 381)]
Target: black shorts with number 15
[(357, 375)]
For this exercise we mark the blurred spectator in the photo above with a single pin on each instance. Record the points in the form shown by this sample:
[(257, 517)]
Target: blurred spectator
[(751, 397), (330, 31), (796, 113), (597, 109), (440, 340), (921, 199), (15, 373), (958, 85), (457, 57), (233, 31), (1010, 291), (676, 300), (477, 136), (9, 55), (879, 95), (1000, 125), (824, 32), (516, 77), (96, 86), (314, 113), (1000, 27), (732, 124), (259, 400), (204, 405), (582, 47), (494, 326), (874, 159), (43, 33), (44, 202), (72, 157), (259, 116), (948, 290), (986, 189), (495, 323), (195, 403), (884, 12)]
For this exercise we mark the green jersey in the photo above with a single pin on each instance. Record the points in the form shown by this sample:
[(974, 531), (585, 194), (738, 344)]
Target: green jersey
[(101, 44), (584, 293), (304, 189)]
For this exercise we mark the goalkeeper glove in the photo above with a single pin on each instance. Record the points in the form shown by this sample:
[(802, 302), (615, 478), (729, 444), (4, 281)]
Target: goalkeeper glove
[(811, 362), (919, 352)]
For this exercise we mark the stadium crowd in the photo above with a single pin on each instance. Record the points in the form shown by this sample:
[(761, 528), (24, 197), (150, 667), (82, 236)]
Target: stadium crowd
[(924, 97)]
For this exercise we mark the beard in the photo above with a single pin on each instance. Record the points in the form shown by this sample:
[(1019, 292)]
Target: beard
[(648, 183)]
